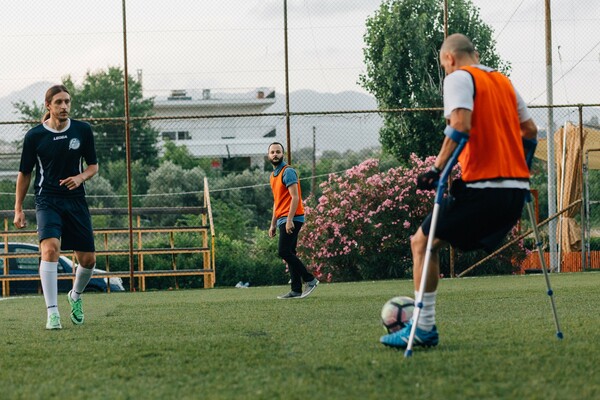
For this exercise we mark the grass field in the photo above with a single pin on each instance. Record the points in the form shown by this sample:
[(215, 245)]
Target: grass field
[(497, 341)]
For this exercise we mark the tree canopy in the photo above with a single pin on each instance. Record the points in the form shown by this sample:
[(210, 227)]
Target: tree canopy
[(101, 96), (401, 56)]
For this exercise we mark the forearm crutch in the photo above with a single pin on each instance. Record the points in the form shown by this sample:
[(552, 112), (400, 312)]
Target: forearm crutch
[(538, 243), (439, 195)]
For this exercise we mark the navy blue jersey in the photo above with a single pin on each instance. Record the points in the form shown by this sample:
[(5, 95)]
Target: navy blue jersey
[(58, 155)]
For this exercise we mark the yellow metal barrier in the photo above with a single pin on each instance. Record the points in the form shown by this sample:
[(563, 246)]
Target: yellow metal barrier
[(205, 247)]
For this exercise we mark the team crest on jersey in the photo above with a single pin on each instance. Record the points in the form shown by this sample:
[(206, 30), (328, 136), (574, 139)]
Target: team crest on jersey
[(74, 144)]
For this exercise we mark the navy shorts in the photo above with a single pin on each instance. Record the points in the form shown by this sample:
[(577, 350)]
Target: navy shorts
[(472, 219), (67, 219)]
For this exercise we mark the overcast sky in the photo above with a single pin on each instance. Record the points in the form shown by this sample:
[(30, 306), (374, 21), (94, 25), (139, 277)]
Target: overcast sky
[(238, 44)]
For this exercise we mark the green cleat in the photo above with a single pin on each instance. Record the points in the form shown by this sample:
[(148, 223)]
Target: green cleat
[(76, 310), (53, 322)]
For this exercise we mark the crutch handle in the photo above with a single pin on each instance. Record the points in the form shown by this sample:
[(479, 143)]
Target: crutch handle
[(443, 182)]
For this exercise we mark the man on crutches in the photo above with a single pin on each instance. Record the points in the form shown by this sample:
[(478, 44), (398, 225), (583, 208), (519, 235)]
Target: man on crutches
[(487, 116)]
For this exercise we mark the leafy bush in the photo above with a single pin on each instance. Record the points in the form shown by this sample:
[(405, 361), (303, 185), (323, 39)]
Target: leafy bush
[(169, 179), (360, 227), (249, 190), (253, 260)]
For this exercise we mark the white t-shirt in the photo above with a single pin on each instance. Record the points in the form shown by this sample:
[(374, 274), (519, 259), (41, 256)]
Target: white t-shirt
[(459, 91)]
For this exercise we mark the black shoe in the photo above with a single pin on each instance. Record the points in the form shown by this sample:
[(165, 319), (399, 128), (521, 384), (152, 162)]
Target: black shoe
[(309, 287), (290, 295)]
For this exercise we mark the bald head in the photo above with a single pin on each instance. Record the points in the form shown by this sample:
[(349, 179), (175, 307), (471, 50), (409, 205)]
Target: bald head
[(457, 51), (458, 44)]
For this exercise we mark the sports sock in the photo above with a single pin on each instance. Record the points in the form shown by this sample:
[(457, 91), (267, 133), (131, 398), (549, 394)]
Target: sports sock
[(49, 278), (427, 316), (82, 277)]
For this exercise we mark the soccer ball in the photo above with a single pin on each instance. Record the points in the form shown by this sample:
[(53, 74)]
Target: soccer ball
[(396, 313)]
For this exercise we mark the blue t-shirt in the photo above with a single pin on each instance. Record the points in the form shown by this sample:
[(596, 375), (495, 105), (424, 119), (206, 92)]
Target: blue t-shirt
[(57, 155), (289, 178)]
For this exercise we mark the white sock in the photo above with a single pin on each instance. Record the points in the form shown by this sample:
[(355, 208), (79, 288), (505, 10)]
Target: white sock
[(82, 277), (427, 316), (49, 278)]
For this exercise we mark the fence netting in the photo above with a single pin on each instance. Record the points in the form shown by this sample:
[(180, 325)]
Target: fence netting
[(213, 83)]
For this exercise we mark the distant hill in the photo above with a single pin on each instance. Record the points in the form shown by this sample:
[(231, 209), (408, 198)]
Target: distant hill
[(312, 101), (333, 132), (28, 94), (338, 133)]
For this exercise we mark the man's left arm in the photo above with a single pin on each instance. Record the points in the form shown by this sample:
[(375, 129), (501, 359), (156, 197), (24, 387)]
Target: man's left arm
[(460, 124), (289, 223)]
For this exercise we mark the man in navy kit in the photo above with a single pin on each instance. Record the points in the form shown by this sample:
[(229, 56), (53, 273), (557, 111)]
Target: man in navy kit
[(57, 149)]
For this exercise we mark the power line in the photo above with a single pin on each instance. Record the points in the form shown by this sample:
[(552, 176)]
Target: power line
[(509, 20), (568, 71), (104, 196)]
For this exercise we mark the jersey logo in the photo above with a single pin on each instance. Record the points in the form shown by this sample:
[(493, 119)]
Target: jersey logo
[(74, 144)]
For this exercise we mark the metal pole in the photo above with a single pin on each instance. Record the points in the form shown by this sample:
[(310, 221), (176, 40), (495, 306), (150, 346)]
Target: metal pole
[(128, 150), (550, 140), (287, 86), (445, 19), (582, 211), (452, 252), (561, 191), (313, 182)]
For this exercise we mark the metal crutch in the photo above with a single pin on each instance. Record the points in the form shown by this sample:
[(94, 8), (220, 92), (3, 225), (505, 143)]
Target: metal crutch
[(439, 195), (538, 242)]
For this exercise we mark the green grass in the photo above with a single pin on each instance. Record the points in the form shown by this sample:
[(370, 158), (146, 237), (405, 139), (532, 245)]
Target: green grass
[(497, 341)]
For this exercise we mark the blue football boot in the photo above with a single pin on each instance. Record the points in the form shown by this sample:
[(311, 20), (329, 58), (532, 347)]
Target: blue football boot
[(399, 339)]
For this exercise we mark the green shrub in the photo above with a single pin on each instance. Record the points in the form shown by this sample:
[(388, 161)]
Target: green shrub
[(254, 261)]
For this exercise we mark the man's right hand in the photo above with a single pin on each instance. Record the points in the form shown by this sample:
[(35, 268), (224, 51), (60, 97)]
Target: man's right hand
[(429, 179), (20, 221), (272, 231)]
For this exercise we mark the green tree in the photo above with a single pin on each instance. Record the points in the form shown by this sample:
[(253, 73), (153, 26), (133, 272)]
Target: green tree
[(401, 55), (172, 186), (116, 173), (179, 155), (101, 96)]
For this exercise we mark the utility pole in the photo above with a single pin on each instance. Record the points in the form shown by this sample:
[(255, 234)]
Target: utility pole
[(554, 262), (287, 84)]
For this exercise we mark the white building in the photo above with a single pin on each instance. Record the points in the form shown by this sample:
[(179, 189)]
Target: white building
[(242, 138)]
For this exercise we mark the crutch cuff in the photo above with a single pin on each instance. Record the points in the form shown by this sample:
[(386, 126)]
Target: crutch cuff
[(455, 135)]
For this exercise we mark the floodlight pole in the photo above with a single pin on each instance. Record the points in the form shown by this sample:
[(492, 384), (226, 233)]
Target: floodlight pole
[(128, 149), (554, 262), (287, 85)]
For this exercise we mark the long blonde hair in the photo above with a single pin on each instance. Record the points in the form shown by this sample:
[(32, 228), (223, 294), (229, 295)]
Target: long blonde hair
[(50, 93)]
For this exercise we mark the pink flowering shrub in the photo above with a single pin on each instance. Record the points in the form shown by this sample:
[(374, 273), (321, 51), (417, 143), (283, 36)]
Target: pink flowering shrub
[(360, 227)]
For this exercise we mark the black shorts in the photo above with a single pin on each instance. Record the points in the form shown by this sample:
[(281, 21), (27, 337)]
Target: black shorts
[(472, 219), (67, 219)]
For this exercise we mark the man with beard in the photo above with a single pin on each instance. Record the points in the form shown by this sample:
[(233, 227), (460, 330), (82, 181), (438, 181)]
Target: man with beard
[(288, 216)]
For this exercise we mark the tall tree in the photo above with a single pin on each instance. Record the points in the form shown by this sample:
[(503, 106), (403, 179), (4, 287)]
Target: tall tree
[(401, 55), (101, 96)]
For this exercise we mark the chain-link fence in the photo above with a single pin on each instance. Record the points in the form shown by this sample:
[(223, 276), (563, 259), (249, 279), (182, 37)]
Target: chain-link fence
[(212, 83)]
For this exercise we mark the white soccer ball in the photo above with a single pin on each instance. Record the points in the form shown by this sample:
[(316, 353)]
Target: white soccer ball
[(396, 313)]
